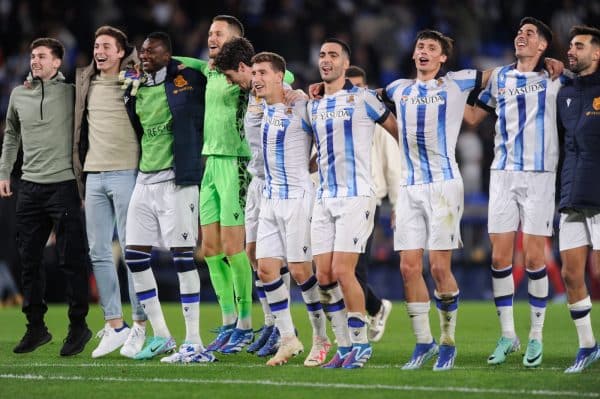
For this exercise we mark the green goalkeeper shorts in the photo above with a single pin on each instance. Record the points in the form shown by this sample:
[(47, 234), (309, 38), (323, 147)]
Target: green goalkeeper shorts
[(223, 190)]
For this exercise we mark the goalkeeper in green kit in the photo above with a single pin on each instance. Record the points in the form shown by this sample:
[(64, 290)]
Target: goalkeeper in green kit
[(223, 193)]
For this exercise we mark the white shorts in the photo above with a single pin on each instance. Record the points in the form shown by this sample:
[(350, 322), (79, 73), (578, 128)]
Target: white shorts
[(428, 216), (342, 224), (163, 215), (284, 229), (579, 228), (521, 197), (253, 200)]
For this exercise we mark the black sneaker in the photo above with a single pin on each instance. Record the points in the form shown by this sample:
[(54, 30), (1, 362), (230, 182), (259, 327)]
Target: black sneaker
[(33, 338), (76, 340)]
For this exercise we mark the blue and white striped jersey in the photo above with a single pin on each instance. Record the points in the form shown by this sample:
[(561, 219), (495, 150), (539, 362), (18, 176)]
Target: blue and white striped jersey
[(429, 116), (343, 125), (525, 103), (252, 121), (286, 143)]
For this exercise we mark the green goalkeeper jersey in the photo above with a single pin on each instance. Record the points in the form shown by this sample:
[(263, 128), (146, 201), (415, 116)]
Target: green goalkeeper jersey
[(224, 114), (226, 106)]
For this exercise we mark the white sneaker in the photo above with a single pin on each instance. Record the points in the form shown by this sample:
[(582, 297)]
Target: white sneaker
[(135, 341), (184, 354), (111, 340), (318, 352), (377, 322), (290, 346)]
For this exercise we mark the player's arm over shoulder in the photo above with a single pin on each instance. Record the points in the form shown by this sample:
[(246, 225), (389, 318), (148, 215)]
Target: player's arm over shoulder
[(194, 63), (481, 103), (475, 114)]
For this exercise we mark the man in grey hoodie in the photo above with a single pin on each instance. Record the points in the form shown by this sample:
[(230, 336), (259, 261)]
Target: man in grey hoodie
[(41, 119)]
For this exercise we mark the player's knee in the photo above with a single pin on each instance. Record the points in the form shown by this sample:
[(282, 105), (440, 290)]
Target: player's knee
[(340, 273), (500, 260), (324, 278), (299, 275), (266, 275), (439, 271), (232, 246), (410, 270), (210, 247), (569, 276), (534, 261)]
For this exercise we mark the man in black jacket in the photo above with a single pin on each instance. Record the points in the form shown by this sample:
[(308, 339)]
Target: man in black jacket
[(168, 113), (578, 105)]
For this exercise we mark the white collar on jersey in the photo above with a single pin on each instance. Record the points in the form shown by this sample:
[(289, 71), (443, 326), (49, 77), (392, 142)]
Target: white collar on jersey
[(156, 78)]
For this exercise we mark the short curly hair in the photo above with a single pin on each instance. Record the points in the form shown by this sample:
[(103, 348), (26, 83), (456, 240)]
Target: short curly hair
[(233, 52)]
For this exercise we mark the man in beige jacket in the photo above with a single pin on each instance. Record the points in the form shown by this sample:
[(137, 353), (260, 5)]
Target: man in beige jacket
[(105, 159)]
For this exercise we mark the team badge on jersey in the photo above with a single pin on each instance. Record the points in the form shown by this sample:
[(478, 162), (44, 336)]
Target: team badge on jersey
[(180, 81), (351, 98), (289, 111), (596, 104), (181, 84)]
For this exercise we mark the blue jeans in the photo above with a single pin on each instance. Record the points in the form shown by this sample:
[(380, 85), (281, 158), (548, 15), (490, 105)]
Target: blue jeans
[(107, 198)]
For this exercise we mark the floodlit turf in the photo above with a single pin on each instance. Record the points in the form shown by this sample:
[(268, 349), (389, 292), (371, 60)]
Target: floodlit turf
[(44, 374)]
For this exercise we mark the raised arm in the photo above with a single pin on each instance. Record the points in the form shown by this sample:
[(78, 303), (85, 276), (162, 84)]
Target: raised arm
[(475, 110)]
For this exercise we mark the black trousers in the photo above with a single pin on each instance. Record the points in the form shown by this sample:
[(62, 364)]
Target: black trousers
[(372, 301), (39, 208)]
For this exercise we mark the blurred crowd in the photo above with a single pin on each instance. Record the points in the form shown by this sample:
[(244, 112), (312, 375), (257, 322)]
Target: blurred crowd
[(380, 32)]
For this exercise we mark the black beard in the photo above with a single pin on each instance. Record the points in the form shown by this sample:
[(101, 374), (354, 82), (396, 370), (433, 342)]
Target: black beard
[(578, 68)]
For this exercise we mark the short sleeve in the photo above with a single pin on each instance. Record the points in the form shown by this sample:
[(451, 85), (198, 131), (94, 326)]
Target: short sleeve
[(301, 110), (487, 97), (376, 109), (390, 89), (466, 79)]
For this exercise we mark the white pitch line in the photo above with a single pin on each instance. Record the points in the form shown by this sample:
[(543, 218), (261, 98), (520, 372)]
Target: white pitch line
[(37, 377), (244, 366)]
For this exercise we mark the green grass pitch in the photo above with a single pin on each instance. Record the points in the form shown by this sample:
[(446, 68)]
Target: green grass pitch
[(44, 374)]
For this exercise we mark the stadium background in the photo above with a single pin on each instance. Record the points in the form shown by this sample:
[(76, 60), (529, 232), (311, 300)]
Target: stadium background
[(381, 36)]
